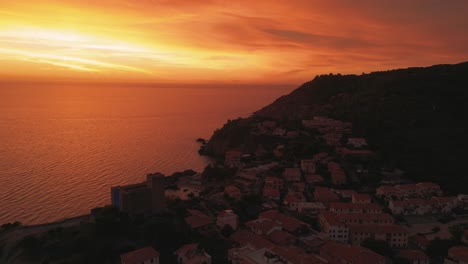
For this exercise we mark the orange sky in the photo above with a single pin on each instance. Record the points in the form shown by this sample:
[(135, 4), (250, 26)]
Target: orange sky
[(243, 41)]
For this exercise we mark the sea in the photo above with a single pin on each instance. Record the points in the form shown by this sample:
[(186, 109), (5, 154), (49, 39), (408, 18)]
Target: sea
[(62, 147)]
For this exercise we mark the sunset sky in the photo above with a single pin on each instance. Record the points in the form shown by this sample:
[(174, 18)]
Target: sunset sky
[(262, 41)]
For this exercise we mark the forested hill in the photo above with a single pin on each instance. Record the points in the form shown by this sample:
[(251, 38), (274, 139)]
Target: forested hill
[(415, 117)]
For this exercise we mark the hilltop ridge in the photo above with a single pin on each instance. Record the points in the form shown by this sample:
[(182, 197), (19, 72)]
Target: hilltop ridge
[(414, 117)]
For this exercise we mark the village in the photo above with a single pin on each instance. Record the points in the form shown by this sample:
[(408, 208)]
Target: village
[(333, 206)]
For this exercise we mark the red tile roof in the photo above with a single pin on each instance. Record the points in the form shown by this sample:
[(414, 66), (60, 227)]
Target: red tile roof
[(366, 216), (314, 178), (336, 252), (413, 255), (186, 249), (245, 237), (294, 197), (271, 193), (459, 253), (355, 206), (281, 238), (196, 222), (140, 255), (289, 223), (331, 218), (377, 228), (361, 196), (264, 225)]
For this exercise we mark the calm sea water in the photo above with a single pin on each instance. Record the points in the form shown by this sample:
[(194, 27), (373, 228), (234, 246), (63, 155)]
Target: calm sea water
[(63, 147)]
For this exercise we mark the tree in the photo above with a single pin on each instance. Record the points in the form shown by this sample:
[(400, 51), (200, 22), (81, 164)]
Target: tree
[(379, 246), (438, 248), (227, 230)]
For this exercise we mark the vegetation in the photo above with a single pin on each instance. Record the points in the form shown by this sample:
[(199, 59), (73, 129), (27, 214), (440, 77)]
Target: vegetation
[(414, 117), (379, 246)]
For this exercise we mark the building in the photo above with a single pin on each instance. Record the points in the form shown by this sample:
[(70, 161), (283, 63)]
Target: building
[(233, 192), (418, 206), (311, 208), (274, 183), (337, 174), (357, 143), (292, 200), (192, 254), (361, 198), (335, 252), (314, 179), (414, 256), (262, 226), (288, 223), (143, 198), (198, 221), (394, 235), (233, 158), (292, 174), (227, 217), (457, 255), (335, 229), (410, 190), (325, 195), (340, 208), (308, 165), (146, 255), (366, 218), (271, 193)]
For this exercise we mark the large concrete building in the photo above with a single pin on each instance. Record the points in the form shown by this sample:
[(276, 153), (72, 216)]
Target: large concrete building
[(141, 198)]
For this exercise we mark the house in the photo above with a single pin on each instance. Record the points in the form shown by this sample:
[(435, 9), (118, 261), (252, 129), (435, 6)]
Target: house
[(394, 235), (271, 193), (361, 198), (292, 200), (233, 192), (297, 187), (332, 139), (335, 252), (338, 176), (262, 226), (292, 134), (198, 221), (340, 208), (146, 255), (288, 223), (308, 165), (420, 241), (463, 201), (457, 255), (357, 143), (274, 183), (233, 158), (314, 179), (279, 132), (227, 217), (325, 195), (292, 174), (141, 198), (414, 256), (312, 208), (192, 254), (387, 192), (335, 229), (366, 218), (465, 236), (346, 194), (282, 238), (417, 206)]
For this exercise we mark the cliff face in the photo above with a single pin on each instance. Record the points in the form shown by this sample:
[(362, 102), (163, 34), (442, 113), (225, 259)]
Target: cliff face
[(415, 117)]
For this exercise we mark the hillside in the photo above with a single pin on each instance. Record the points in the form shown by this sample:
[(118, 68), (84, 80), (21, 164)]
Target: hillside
[(414, 117)]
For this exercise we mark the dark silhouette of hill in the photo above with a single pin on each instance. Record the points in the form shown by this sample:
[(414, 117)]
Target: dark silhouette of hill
[(415, 117)]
